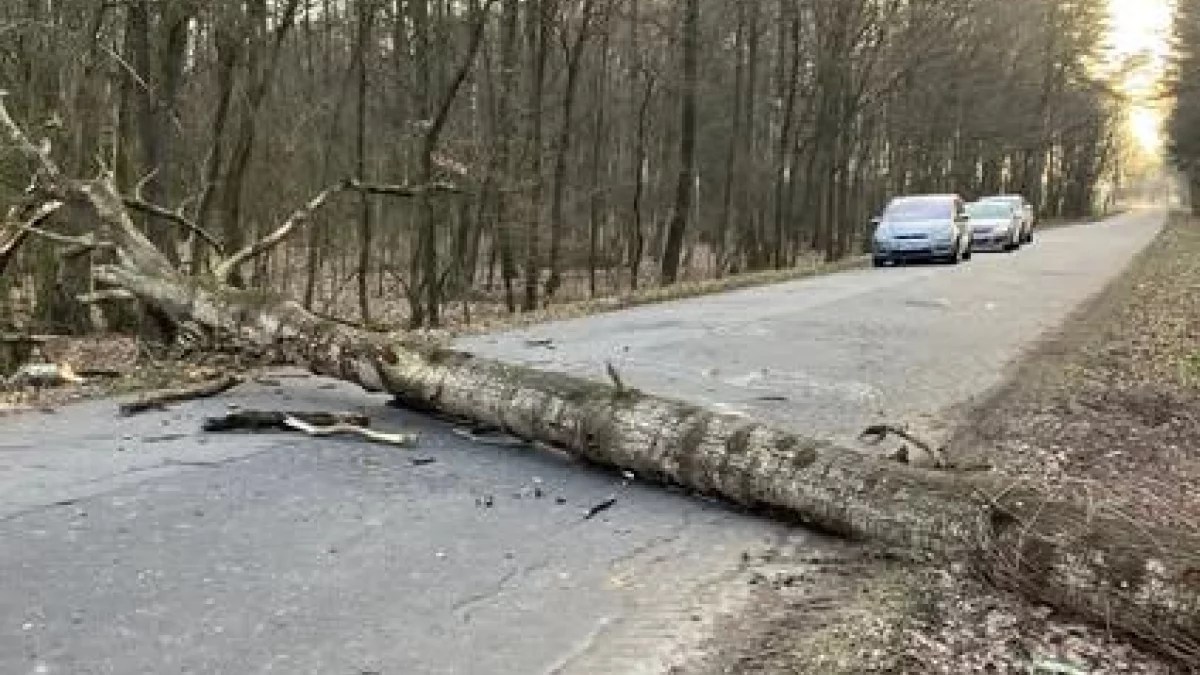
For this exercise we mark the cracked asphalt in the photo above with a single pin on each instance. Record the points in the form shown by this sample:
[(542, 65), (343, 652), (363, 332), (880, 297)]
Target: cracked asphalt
[(142, 546)]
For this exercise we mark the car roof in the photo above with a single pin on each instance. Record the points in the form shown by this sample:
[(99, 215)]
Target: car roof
[(929, 197), (1008, 197)]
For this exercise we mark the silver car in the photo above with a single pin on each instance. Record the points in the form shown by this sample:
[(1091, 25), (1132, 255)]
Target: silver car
[(995, 226), (922, 227), (1022, 205)]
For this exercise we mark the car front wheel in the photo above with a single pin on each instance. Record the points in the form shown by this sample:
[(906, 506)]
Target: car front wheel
[(1015, 242), (956, 256)]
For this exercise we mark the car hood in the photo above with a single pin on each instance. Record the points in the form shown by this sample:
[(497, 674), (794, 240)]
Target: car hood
[(984, 224), (914, 227)]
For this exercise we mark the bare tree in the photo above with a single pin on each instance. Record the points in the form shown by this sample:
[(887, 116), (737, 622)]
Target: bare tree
[(690, 41)]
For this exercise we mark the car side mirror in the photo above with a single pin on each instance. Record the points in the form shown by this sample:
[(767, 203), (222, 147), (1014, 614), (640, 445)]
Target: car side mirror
[(875, 222)]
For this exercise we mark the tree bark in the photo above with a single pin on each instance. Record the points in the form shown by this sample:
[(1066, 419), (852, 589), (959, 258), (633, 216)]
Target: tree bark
[(537, 30)]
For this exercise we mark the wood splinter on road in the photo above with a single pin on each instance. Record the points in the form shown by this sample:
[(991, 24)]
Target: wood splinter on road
[(319, 423), (401, 440)]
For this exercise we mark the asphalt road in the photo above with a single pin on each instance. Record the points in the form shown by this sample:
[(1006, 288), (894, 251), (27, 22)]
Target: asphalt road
[(143, 546), (828, 355)]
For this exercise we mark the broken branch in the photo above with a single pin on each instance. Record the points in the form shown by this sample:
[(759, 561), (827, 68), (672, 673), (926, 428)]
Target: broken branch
[(401, 190), (16, 137), (23, 229), (86, 241), (139, 204), (106, 295), (226, 270), (159, 399), (399, 440), (276, 420)]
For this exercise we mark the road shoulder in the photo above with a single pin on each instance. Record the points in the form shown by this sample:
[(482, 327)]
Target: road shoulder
[(1104, 408)]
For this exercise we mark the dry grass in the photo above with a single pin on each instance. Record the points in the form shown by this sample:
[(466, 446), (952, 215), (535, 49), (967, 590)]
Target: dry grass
[(485, 312), (490, 322), (1109, 410)]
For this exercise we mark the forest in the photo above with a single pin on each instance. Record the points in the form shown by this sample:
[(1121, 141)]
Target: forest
[(438, 161)]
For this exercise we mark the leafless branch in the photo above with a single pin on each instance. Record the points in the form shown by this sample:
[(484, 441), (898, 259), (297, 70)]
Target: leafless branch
[(22, 230), (86, 240), (177, 217), (400, 190), (141, 82), (229, 267), (105, 295), (17, 138), (142, 182)]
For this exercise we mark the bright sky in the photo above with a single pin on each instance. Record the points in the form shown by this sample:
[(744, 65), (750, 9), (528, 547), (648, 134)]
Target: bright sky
[(1142, 27)]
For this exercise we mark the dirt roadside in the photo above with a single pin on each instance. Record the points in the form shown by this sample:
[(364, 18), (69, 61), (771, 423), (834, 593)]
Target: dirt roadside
[(1108, 409)]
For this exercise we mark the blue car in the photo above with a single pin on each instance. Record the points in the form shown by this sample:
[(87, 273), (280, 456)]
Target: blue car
[(922, 227)]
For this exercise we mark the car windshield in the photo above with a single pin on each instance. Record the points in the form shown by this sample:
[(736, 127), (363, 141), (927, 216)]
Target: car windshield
[(917, 209), (994, 209), (1014, 200)]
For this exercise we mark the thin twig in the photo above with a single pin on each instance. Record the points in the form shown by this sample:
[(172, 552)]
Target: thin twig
[(141, 82)]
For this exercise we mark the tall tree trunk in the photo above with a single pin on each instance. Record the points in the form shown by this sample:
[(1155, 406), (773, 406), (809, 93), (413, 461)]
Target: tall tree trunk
[(788, 84), (366, 19), (427, 250), (725, 230), (673, 248), (505, 160), (537, 31), (598, 201), (637, 235), (566, 130)]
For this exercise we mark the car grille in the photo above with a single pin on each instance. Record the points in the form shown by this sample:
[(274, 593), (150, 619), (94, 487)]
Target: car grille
[(913, 253)]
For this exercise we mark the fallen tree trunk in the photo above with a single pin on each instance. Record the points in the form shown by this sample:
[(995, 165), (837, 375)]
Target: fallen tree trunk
[(1105, 568), (1143, 582)]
